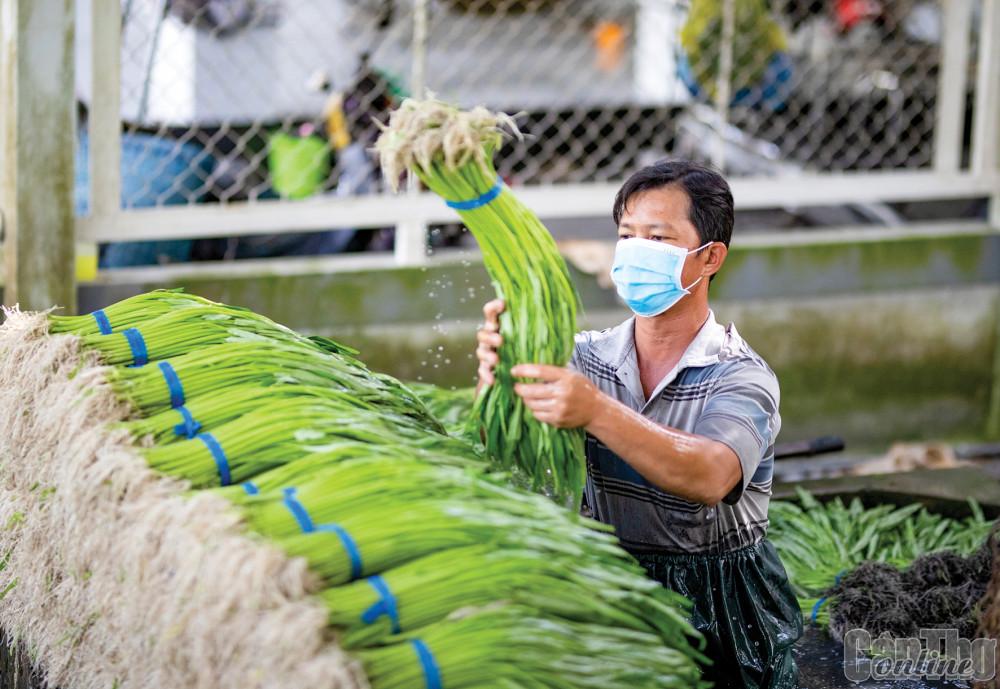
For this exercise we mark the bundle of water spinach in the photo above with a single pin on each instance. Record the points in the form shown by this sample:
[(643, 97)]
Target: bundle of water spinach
[(435, 569), (451, 151)]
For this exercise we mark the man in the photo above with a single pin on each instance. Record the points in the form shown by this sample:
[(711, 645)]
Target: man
[(681, 416)]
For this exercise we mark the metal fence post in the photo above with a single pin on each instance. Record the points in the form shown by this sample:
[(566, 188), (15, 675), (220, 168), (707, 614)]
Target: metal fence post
[(105, 110), (36, 150), (950, 115), (986, 119), (723, 82), (411, 235)]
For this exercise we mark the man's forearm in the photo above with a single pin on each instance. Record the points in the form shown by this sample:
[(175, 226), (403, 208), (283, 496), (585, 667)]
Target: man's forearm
[(689, 466)]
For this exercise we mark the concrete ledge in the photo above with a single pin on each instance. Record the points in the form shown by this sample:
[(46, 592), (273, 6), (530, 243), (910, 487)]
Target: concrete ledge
[(943, 491), (369, 289)]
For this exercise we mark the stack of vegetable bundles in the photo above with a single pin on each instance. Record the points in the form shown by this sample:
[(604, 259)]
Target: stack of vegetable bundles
[(434, 570), (451, 151)]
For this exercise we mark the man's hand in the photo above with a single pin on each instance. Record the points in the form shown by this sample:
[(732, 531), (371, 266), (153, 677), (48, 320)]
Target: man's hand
[(563, 398), (489, 340)]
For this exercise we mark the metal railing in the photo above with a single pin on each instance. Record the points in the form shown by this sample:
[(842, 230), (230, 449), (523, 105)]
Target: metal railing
[(798, 106)]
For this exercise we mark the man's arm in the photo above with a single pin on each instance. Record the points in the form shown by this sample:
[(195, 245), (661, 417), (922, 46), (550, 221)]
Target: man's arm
[(690, 466)]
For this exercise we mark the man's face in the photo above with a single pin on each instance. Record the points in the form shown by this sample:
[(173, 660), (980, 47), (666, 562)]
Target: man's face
[(662, 216)]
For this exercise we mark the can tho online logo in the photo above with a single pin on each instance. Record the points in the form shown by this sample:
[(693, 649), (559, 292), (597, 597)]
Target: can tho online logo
[(932, 654)]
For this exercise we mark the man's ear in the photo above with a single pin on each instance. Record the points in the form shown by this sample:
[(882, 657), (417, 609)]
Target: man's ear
[(716, 256)]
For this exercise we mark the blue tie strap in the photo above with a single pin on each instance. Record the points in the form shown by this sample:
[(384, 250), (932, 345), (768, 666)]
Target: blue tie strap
[(298, 511), (307, 525), (432, 675), (221, 463), (173, 384), (188, 427), (819, 604), (385, 605), (816, 607), (140, 357), (480, 200), (251, 488), (103, 324)]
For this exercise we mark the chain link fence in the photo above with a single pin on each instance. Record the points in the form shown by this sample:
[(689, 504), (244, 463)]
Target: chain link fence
[(240, 100)]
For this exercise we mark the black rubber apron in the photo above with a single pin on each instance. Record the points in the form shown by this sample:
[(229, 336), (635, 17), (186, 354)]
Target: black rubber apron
[(744, 606)]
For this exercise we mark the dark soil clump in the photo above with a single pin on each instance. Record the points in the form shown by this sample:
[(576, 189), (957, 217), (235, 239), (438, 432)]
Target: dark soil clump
[(939, 590), (938, 569)]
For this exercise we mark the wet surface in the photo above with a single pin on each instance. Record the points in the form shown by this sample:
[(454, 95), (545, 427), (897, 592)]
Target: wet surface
[(821, 666)]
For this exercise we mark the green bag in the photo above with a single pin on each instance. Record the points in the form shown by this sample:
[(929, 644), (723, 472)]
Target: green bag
[(746, 609), (299, 165)]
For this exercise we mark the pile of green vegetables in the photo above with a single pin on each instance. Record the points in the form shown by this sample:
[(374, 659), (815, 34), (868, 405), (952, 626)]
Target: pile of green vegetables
[(453, 407), (820, 543), (438, 572), (451, 151)]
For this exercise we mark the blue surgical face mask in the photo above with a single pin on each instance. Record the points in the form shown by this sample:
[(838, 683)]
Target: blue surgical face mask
[(648, 274)]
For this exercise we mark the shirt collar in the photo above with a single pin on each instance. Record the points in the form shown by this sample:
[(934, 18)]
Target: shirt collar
[(713, 343)]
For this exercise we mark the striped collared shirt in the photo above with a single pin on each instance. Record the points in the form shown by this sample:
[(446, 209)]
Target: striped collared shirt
[(720, 389)]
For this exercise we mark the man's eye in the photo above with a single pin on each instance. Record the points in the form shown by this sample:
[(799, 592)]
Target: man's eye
[(657, 239), (624, 236)]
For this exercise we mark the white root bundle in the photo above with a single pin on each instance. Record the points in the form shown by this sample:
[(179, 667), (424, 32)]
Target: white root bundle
[(117, 577)]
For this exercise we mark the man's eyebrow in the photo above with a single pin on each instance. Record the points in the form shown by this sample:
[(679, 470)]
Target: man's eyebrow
[(647, 225)]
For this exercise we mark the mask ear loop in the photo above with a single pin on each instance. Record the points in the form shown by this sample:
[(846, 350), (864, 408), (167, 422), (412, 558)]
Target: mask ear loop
[(700, 277), (688, 288)]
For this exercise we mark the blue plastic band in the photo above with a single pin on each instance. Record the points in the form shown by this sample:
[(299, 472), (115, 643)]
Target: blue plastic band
[(251, 488), (307, 525), (173, 384), (819, 603), (349, 545), (219, 456), (432, 676), (816, 607), (189, 427), (385, 605), (298, 511), (140, 357), (480, 201), (103, 324)]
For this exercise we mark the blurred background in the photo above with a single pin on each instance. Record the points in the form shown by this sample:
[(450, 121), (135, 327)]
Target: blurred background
[(223, 146)]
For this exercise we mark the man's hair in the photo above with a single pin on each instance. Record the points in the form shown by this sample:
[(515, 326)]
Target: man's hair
[(711, 201)]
